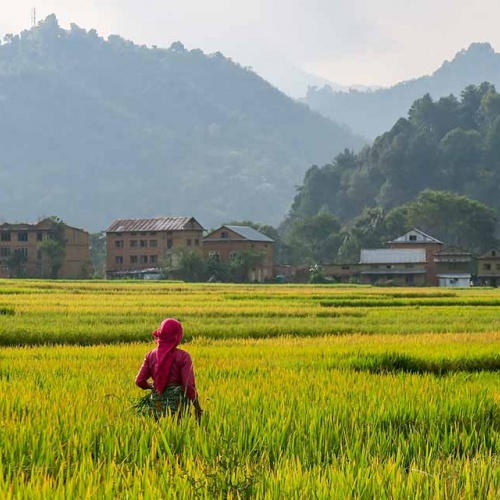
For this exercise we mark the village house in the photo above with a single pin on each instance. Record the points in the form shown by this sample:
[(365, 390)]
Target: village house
[(488, 269), (403, 267), (418, 239), (453, 267), (229, 242), (22, 252), (139, 247)]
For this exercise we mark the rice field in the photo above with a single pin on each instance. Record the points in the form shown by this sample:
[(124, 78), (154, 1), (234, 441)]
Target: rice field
[(308, 392)]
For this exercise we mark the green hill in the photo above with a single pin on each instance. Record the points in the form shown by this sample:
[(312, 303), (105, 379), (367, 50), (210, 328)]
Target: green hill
[(450, 144), (98, 129)]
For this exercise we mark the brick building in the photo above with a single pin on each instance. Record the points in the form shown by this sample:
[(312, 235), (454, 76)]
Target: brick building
[(228, 242), (22, 254), (135, 247), (418, 239)]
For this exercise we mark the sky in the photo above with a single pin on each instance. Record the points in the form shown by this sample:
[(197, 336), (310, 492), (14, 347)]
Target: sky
[(349, 42)]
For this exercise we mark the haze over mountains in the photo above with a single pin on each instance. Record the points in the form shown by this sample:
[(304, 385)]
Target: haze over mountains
[(374, 112), (98, 129), (95, 130)]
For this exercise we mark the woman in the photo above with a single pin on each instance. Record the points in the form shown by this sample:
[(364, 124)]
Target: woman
[(172, 372)]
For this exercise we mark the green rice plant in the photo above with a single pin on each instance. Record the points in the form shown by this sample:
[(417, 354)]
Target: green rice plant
[(286, 416)]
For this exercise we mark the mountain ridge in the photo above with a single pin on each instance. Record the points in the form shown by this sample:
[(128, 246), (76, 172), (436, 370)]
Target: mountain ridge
[(102, 129), (372, 113)]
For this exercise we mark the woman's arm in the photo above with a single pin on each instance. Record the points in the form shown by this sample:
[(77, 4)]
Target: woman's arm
[(187, 377), (144, 374)]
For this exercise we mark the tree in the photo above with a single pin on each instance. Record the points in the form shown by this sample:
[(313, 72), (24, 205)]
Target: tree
[(315, 239), (15, 264), (54, 246), (187, 264), (454, 219), (98, 253), (241, 265)]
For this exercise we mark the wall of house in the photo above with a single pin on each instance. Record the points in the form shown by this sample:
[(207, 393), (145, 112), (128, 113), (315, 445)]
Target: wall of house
[(227, 248), (28, 240), (77, 259), (430, 250), (130, 251)]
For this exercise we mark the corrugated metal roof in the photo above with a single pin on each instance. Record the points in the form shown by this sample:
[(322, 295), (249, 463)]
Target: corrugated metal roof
[(393, 256), (250, 233), (157, 224), (421, 237)]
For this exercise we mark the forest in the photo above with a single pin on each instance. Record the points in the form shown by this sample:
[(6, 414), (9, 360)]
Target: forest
[(438, 169)]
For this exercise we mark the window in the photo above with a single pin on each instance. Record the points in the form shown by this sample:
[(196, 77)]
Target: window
[(153, 259), (413, 237), (224, 234), (153, 243), (153, 233), (39, 255), (134, 259), (493, 253), (143, 243), (5, 236), (143, 259), (23, 252), (409, 266), (118, 234), (22, 236), (214, 255), (39, 236), (498, 267), (188, 242), (170, 243), (133, 234), (487, 267), (233, 254), (4, 252), (346, 268), (388, 266), (119, 243), (38, 269), (133, 243), (119, 260), (196, 242)]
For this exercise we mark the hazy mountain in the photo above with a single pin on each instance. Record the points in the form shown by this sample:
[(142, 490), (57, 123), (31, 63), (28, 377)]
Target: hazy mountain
[(373, 112), (291, 79), (98, 129)]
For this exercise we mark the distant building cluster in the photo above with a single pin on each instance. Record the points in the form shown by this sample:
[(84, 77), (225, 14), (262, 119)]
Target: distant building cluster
[(135, 248), (418, 259), (138, 248)]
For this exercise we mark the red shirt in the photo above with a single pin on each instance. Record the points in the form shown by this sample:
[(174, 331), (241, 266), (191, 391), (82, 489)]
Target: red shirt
[(181, 373)]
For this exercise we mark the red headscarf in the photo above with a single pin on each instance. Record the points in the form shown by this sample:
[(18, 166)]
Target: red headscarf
[(168, 337)]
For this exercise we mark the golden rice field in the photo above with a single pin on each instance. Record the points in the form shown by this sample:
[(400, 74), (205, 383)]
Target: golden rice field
[(308, 391)]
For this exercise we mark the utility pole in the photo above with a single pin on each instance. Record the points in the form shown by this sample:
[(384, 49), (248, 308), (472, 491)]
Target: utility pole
[(33, 17)]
